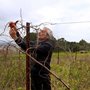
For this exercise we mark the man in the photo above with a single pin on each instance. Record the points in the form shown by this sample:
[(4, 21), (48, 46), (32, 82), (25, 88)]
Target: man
[(40, 78)]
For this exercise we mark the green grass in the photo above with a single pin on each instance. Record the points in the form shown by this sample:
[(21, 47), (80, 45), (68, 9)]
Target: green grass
[(72, 68)]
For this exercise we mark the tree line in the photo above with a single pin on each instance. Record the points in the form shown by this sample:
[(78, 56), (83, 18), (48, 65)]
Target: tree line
[(64, 45)]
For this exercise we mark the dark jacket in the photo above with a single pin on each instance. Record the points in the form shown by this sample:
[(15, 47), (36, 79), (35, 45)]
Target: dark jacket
[(42, 54)]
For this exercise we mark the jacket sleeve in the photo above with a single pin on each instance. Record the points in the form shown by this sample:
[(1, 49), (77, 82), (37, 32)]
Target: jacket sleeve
[(21, 43)]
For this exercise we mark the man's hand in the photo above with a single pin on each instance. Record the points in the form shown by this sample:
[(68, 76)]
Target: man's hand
[(13, 30)]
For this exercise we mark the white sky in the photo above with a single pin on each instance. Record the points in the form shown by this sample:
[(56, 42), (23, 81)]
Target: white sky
[(55, 11)]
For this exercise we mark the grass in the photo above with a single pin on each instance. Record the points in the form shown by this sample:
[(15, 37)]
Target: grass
[(72, 68)]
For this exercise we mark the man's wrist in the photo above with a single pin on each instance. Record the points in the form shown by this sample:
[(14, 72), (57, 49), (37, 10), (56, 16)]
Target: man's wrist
[(15, 38), (18, 40)]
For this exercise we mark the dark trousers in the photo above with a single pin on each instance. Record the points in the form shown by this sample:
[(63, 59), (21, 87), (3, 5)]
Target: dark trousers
[(40, 83)]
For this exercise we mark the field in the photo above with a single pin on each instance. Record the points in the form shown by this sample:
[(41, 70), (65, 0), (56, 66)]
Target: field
[(72, 68)]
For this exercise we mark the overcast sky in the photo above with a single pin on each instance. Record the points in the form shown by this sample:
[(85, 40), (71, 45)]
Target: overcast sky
[(54, 11)]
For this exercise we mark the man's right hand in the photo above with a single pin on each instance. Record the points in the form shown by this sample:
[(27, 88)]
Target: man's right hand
[(13, 30)]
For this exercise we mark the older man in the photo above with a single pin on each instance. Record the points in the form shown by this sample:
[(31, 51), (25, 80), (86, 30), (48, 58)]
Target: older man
[(40, 78)]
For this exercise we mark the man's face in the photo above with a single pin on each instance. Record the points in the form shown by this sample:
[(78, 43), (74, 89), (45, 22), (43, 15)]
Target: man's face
[(43, 35)]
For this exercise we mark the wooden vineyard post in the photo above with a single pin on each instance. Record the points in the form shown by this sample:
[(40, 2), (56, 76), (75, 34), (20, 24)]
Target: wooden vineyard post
[(28, 69)]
